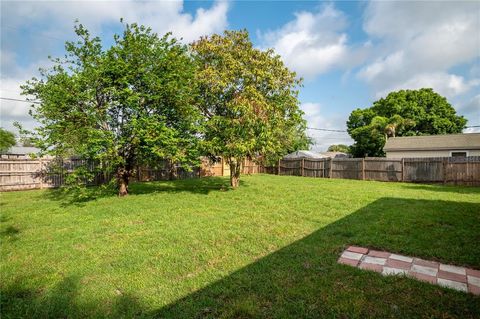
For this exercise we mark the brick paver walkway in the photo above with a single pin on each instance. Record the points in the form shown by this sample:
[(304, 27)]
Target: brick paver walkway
[(459, 278)]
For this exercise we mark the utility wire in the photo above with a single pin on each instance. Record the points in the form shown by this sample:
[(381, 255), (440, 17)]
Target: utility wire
[(309, 128), (324, 129), (18, 100)]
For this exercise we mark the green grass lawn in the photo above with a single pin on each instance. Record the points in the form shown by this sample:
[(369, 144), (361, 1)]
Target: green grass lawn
[(195, 248)]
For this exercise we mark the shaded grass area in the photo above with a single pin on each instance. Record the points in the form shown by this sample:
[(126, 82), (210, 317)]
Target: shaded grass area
[(196, 248)]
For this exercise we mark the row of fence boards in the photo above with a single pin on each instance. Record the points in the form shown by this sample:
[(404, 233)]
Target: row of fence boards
[(457, 170), (19, 174), (16, 174)]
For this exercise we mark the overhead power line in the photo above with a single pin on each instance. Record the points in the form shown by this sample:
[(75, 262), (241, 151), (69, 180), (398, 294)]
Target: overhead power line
[(18, 100), (309, 128), (325, 129)]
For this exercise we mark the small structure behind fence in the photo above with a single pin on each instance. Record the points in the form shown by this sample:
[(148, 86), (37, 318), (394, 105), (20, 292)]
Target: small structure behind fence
[(456, 170)]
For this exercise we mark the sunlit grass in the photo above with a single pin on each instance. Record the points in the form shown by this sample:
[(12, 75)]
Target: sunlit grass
[(196, 248)]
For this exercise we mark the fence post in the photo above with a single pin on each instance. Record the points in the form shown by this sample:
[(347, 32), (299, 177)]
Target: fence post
[(303, 164), (363, 168), (444, 170), (41, 173), (403, 169), (468, 173), (330, 167)]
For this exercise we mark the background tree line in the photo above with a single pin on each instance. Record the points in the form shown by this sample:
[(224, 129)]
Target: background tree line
[(150, 97)]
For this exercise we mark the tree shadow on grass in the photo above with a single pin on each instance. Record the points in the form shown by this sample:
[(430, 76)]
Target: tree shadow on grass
[(304, 280), (459, 189), (17, 300), (81, 196), (9, 233), (202, 186)]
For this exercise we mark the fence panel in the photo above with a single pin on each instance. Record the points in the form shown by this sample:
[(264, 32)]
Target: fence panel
[(17, 174), (315, 168), (382, 169), (291, 167), (423, 170), (462, 170), (428, 170), (250, 167), (347, 168)]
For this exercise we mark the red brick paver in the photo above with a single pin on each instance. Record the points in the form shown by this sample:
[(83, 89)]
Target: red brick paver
[(425, 263), (473, 272), (357, 249), (398, 264), (374, 267), (454, 277), (474, 289), (347, 261), (376, 253), (423, 277)]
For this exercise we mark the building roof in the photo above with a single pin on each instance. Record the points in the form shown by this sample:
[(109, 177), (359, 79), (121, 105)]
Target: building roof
[(334, 154), (21, 150), (303, 154), (469, 141)]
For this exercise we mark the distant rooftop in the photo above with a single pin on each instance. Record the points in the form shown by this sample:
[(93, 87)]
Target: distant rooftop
[(21, 150), (303, 154), (468, 141)]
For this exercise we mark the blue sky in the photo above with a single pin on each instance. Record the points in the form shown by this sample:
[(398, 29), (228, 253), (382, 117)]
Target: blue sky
[(349, 53)]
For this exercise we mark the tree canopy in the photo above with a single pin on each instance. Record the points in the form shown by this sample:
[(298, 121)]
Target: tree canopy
[(7, 139), (248, 98), (402, 113), (126, 105), (339, 148)]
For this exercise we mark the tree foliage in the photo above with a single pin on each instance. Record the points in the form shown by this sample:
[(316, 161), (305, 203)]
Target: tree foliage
[(339, 148), (123, 106), (402, 113), (248, 98), (7, 139)]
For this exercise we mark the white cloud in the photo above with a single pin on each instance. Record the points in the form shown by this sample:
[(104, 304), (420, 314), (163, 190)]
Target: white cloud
[(313, 43), (11, 111), (32, 30), (316, 118), (471, 110), (161, 16), (448, 85), (419, 42)]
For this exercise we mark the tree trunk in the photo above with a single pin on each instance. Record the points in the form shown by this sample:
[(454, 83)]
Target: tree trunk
[(123, 176), (235, 166)]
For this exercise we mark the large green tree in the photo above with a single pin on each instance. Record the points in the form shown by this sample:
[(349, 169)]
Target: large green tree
[(7, 139), (123, 106), (248, 98), (402, 113)]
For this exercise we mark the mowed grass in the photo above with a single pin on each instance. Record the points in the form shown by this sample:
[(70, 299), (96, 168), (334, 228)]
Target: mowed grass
[(195, 248)]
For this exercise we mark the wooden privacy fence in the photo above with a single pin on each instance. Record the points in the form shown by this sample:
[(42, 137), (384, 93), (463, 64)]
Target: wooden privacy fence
[(18, 174), (455, 170), (220, 167)]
